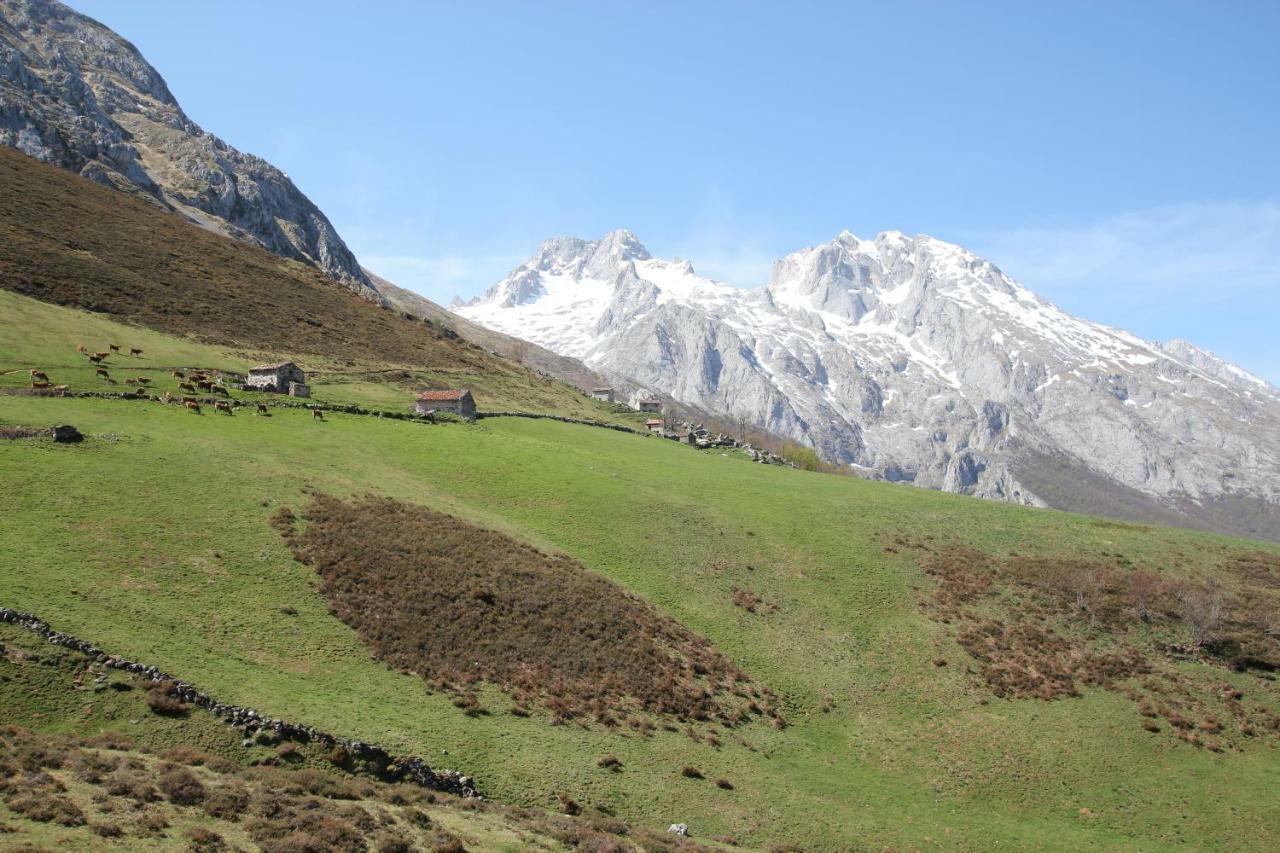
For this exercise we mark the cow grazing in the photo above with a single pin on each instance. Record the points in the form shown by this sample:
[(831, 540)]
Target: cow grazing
[(192, 405), (95, 359), (222, 406), (262, 409), (179, 374), (316, 414), (113, 347), (186, 400), (204, 385), (102, 371), (142, 380), (39, 374), (186, 386), (101, 356), (135, 351)]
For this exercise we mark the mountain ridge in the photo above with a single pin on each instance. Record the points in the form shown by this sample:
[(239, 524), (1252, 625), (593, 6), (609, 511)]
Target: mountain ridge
[(909, 359), (75, 94)]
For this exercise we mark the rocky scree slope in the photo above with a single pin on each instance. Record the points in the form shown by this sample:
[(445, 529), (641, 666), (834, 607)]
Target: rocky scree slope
[(914, 360), (75, 94)]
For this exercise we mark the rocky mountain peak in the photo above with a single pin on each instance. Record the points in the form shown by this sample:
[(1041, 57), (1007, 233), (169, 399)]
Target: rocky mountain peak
[(915, 360)]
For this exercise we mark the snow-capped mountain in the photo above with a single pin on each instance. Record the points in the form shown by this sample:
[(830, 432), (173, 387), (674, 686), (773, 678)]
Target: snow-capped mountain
[(915, 360)]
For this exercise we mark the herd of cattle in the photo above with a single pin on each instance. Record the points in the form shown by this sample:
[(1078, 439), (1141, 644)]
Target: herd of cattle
[(192, 381)]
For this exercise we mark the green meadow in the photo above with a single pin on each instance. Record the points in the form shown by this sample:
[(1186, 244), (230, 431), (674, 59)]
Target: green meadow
[(152, 539)]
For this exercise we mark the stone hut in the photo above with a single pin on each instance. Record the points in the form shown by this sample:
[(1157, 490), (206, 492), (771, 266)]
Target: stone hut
[(283, 378), (456, 401), (603, 394), (653, 425), (649, 405)]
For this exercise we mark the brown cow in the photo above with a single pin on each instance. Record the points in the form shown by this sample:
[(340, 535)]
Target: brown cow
[(262, 409), (187, 386), (221, 406), (179, 374), (102, 371), (186, 400), (204, 385), (317, 414), (95, 359), (142, 380), (134, 351), (101, 355), (192, 405), (113, 347)]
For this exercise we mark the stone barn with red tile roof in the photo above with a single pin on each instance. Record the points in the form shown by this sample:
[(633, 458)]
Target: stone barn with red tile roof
[(456, 401)]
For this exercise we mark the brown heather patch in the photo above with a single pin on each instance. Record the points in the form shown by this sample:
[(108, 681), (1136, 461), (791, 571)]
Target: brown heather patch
[(1045, 628), (459, 604), (279, 808)]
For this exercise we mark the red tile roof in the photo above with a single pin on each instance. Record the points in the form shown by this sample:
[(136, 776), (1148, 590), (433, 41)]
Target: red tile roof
[(435, 396)]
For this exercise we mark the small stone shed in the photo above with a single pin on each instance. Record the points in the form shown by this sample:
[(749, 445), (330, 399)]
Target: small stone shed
[(653, 425), (457, 401), (650, 405), (603, 394), (284, 377)]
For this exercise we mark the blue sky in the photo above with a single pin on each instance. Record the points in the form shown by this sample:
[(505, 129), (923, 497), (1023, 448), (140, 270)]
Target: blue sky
[(1122, 159)]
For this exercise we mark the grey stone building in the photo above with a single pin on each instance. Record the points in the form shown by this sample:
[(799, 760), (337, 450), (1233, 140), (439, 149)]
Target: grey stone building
[(456, 401), (284, 377)]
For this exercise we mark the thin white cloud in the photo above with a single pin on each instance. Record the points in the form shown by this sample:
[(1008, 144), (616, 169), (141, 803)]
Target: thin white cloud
[(1226, 246), (1206, 272)]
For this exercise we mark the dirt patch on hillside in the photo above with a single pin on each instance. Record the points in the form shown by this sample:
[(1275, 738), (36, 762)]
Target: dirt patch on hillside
[(460, 605), (1046, 628)]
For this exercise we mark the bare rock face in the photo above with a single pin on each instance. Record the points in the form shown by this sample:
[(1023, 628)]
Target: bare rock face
[(75, 94), (914, 360)]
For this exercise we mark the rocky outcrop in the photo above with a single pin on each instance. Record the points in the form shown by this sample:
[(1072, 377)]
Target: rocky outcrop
[(75, 94), (912, 360)]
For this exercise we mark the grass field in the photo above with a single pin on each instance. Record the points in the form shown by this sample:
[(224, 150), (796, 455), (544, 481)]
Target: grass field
[(45, 337), (152, 539), (69, 787)]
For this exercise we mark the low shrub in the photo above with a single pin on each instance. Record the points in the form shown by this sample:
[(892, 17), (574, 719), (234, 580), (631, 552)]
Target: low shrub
[(205, 840), (46, 807), (182, 787), (160, 700)]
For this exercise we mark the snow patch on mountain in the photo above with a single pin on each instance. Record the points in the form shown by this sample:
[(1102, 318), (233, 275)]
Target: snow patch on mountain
[(908, 357)]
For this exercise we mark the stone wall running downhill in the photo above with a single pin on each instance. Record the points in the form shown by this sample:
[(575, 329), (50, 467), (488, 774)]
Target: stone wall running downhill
[(409, 769)]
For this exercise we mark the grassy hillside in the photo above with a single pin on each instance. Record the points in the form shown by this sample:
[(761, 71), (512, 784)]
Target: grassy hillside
[(116, 769), (66, 240), (153, 538)]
